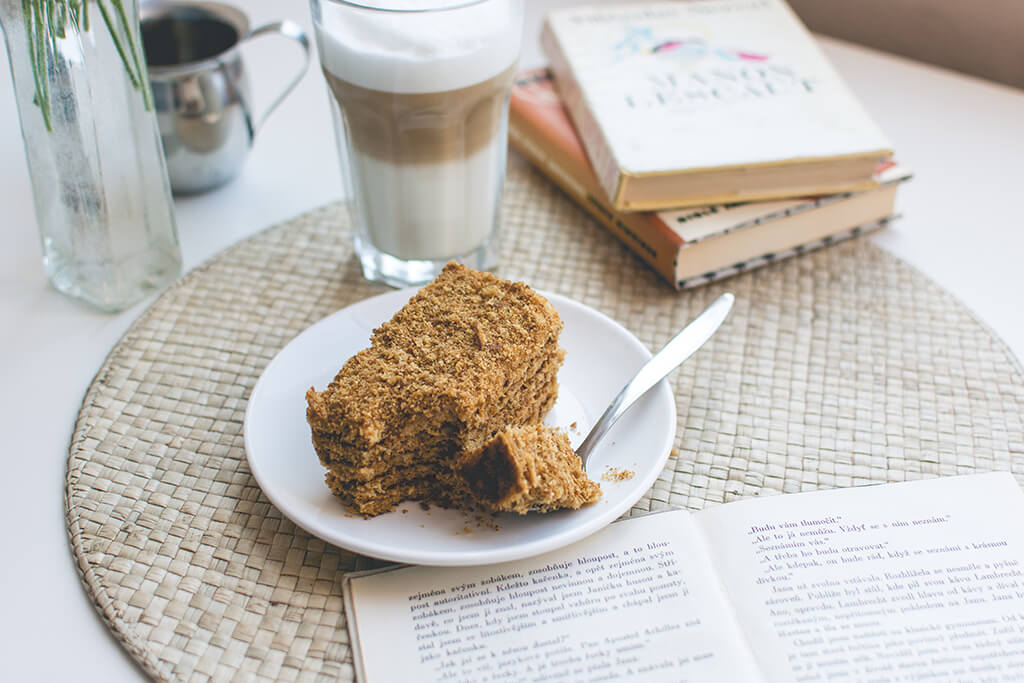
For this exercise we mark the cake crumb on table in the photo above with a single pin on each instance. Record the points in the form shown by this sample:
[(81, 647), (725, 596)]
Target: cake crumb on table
[(617, 474), (487, 522)]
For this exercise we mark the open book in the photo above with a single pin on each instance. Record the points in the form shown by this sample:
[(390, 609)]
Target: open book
[(891, 582)]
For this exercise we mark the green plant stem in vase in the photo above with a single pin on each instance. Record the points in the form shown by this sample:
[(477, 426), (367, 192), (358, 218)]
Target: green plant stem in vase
[(103, 204), (47, 21)]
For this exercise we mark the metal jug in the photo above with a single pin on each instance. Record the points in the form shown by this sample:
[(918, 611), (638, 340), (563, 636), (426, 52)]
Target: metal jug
[(201, 90)]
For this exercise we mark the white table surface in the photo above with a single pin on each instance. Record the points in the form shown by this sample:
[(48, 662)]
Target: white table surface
[(962, 226)]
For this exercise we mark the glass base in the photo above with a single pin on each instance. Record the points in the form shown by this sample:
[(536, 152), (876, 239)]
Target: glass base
[(381, 267), (112, 286)]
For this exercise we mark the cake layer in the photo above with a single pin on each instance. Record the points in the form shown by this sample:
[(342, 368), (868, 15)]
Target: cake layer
[(429, 470), (528, 405), (411, 483), (437, 458), (458, 343), (527, 469)]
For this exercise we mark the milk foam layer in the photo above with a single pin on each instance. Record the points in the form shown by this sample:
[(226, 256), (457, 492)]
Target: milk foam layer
[(418, 52)]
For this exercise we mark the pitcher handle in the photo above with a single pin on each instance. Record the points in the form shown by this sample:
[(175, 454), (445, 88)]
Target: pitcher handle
[(288, 29)]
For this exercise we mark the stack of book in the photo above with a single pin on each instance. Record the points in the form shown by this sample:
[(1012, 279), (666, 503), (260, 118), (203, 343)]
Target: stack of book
[(710, 136)]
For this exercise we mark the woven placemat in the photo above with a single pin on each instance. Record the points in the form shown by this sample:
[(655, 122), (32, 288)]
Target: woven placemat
[(838, 367)]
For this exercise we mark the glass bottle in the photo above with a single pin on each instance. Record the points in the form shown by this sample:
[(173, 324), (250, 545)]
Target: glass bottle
[(102, 199)]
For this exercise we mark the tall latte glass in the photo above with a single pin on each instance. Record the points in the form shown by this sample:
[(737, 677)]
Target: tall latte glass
[(420, 96)]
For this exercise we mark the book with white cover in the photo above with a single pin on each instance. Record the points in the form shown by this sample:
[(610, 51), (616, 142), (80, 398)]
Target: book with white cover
[(912, 581), (706, 101)]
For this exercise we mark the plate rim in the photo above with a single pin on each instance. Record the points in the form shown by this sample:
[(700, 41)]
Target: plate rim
[(518, 551)]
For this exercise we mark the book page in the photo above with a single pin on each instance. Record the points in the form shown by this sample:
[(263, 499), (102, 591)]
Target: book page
[(895, 582), (637, 601)]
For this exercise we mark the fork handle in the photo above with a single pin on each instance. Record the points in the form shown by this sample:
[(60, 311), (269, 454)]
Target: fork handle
[(673, 354)]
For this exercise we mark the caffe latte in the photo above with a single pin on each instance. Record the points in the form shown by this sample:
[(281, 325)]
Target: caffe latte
[(423, 106)]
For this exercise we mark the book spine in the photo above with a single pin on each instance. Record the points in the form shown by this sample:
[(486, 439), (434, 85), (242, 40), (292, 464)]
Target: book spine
[(598, 150), (658, 248)]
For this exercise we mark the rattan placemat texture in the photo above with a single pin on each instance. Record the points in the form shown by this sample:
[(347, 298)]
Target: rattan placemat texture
[(839, 367)]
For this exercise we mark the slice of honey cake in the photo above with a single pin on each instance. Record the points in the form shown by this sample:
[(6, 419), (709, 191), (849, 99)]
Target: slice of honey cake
[(467, 356), (524, 469)]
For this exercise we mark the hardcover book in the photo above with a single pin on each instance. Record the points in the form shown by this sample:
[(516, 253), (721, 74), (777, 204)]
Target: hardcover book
[(691, 246), (918, 580), (708, 101)]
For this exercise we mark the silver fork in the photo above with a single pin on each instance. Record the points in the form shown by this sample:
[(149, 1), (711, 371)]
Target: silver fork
[(673, 354)]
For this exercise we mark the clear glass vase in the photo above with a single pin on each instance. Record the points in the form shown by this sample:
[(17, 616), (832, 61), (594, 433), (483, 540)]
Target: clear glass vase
[(102, 199)]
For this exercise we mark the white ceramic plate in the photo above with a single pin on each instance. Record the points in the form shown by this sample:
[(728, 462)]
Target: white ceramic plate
[(601, 356)]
